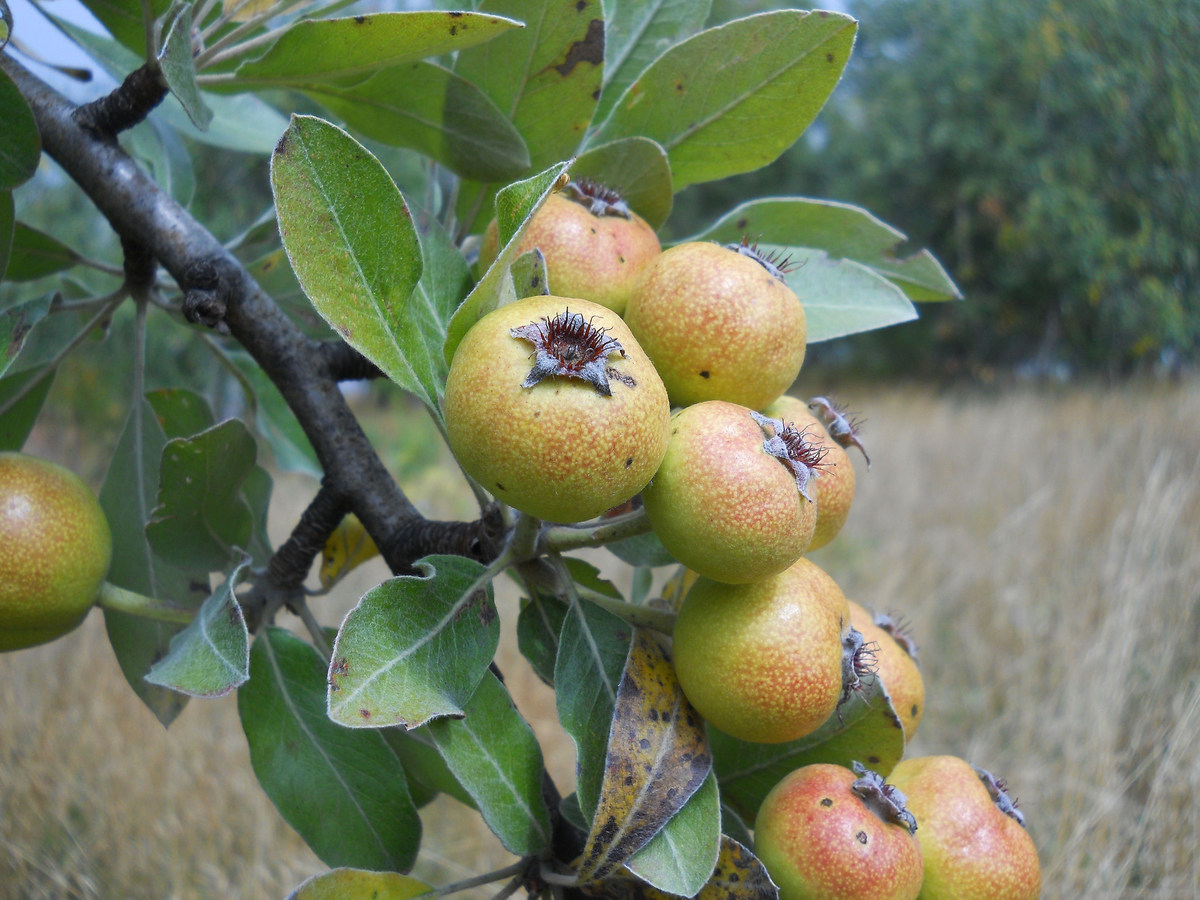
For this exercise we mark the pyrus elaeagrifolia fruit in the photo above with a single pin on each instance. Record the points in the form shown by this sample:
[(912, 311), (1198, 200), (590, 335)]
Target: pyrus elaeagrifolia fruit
[(552, 407), (763, 661), (719, 324), (828, 833), (595, 247), (55, 548), (895, 667), (835, 479), (972, 835), (723, 503)]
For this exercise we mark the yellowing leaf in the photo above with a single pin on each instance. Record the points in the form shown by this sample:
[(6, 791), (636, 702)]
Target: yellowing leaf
[(350, 884), (347, 548), (657, 757)]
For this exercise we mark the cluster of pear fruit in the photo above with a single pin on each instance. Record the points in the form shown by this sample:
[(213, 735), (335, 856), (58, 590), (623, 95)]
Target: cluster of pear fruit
[(660, 375)]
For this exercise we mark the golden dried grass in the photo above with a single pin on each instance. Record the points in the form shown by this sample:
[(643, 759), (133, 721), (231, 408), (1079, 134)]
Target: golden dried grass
[(1045, 546)]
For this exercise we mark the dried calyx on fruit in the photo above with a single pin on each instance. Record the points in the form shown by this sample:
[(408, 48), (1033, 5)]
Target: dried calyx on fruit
[(887, 801), (900, 631), (568, 346), (793, 448), (858, 663), (600, 199), (998, 791), (774, 262), (842, 427)]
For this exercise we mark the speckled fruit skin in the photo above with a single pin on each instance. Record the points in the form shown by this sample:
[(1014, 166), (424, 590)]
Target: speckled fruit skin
[(762, 662), (972, 850), (835, 481), (598, 258), (718, 326), (559, 450), (55, 547), (896, 669), (820, 841), (722, 505)]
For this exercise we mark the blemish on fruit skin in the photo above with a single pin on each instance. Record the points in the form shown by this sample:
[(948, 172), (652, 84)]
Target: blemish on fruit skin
[(826, 802), (705, 374), (862, 837)]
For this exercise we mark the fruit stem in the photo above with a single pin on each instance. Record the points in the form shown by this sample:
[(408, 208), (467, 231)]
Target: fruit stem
[(660, 620), (561, 538), (121, 600)]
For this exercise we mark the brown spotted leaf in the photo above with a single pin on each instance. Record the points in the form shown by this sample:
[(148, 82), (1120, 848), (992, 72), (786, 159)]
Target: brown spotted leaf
[(657, 757), (739, 875)]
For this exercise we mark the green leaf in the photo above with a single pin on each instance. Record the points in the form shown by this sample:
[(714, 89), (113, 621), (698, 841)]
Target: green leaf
[(180, 412), (20, 143), (342, 789), (638, 168), (202, 519), (681, 858), (178, 66), (430, 109), (843, 232), (359, 46), (642, 550), (592, 650), (494, 754), (7, 224), (17, 421), (35, 254), (357, 884), (657, 757), (353, 246), (424, 766), (866, 729), (160, 148), (529, 276), (123, 19), (843, 297), (211, 656), (538, 626), (546, 77), (415, 647), (731, 99), (515, 206), (636, 33), (244, 124), (274, 419), (127, 497), (15, 324)]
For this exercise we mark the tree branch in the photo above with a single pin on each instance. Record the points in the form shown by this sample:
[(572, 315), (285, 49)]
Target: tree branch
[(142, 90), (220, 291)]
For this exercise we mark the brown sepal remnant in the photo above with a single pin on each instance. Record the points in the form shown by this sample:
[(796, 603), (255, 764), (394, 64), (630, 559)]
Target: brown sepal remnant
[(600, 199), (998, 791), (842, 427), (568, 346), (885, 800), (858, 663), (900, 631), (774, 262), (794, 449)]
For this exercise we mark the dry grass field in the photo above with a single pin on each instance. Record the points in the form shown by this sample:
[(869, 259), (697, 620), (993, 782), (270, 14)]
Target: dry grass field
[(1044, 544)]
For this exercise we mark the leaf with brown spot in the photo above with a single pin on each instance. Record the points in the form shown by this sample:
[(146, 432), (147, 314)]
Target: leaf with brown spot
[(739, 875), (529, 275), (657, 757)]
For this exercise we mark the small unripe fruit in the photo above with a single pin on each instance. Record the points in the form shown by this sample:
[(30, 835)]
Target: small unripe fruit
[(895, 668), (835, 480), (595, 249), (719, 325), (55, 548), (972, 836), (827, 833), (552, 406), (721, 503), (763, 661)]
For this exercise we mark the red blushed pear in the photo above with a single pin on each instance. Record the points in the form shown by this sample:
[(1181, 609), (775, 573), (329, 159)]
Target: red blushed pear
[(729, 499), (720, 323), (835, 482), (972, 835), (828, 833), (895, 666), (595, 247), (763, 661), (552, 407)]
